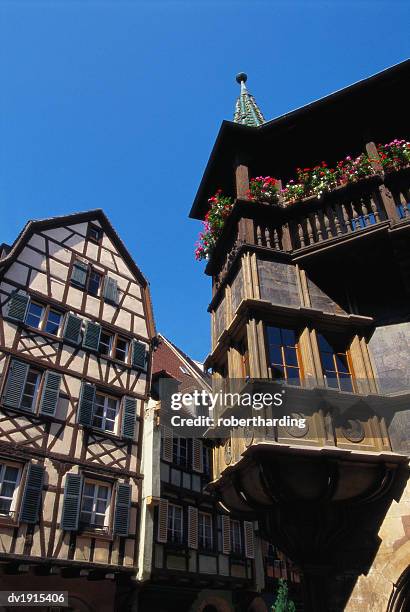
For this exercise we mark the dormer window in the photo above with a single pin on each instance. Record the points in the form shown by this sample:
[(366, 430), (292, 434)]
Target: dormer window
[(94, 233)]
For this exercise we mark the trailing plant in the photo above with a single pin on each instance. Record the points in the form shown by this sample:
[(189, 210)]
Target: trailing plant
[(282, 602), (219, 209), (308, 182), (394, 155), (264, 189)]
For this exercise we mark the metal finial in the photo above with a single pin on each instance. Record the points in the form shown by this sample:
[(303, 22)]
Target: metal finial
[(241, 77)]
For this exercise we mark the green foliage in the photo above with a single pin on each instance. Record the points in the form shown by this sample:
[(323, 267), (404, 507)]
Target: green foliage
[(283, 603)]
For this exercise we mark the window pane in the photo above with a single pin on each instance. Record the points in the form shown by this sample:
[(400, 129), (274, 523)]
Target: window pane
[(89, 489), (278, 373), (53, 322), (105, 343), (324, 344), (293, 377), (11, 473), (94, 282), (331, 380), (34, 315), (87, 504), (288, 337), (345, 382), (274, 336), (291, 356), (327, 361), (275, 354), (341, 362)]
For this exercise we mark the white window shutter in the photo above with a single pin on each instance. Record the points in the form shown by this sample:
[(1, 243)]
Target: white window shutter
[(226, 534), (163, 521), (192, 527), (167, 443), (249, 539), (197, 459)]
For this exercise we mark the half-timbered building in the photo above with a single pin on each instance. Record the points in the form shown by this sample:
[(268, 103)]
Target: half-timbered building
[(76, 330), (196, 556)]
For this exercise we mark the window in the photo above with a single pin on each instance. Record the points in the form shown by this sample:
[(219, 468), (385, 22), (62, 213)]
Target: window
[(43, 317), (105, 412), (34, 315), (180, 451), (52, 322), (94, 233), (206, 460), (105, 344), (121, 349), (30, 391), (236, 542), (94, 282), (95, 505), (175, 525), (205, 531), (9, 480), (335, 363), (283, 355)]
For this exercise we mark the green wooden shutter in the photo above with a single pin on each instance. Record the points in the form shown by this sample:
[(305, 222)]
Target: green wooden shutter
[(50, 393), (32, 494), (139, 355), (79, 273), (71, 505), (16, 381), (17, 308), (110, 291), (92, 335), (122, 509), (72, 328), (129, 412), (86, 404)]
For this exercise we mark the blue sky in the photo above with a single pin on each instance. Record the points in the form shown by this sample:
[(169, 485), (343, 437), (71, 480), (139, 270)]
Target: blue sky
[(117, 105)]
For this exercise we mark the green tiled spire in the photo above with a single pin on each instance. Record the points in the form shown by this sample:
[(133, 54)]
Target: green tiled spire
[(247, 111)]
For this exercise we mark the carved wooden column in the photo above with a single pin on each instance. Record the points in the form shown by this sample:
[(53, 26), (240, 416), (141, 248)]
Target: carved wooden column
[(385, 194)]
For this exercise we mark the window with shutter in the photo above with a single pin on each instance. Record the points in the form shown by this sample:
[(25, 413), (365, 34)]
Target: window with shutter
[(192, 527), (129, 413), (86, 404), (167, 443), (162, 535), (197, 458), (205, 531), (72, 328), (226, 534), (71, 504), (122, 509), (32, 494), (17, 307), (9, 484), (249, 539), (50, 393), (92, 335), (110, 290), (79, 274), (16, 381), (139, 355)]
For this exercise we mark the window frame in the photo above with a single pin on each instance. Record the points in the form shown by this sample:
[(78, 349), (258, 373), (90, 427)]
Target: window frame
[(114, 349), (171, 528), (283, 346), (111, 343), (36, 394), (107, 514), (15, 497), (104, 417), (202, 536), (92, 227), (45, 312), (234, 549), (176, 457), (336, 371), (91, 271)]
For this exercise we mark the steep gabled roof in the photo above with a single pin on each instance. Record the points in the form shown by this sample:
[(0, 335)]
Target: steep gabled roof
[(170, 360), (98, 214)]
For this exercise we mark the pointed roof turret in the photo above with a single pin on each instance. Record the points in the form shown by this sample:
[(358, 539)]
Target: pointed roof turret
[(247, 111)]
